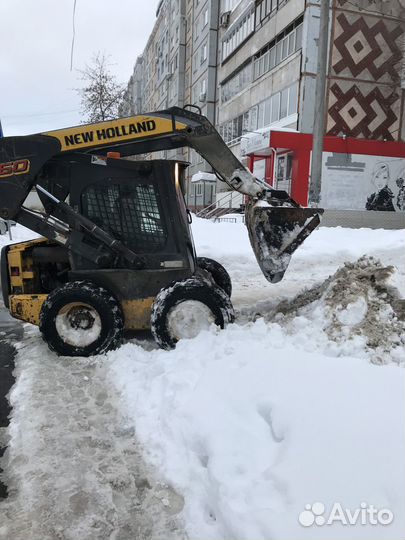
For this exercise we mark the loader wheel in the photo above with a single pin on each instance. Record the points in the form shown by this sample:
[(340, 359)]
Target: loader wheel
[(81, 319), (218, 273), (182, 310)]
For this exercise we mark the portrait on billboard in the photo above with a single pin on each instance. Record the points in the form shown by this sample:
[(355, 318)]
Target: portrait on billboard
[(363, 182), (382, 198)]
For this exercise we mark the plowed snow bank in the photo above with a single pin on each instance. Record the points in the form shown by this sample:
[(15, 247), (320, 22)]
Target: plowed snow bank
[(249, 425), (358, 307)]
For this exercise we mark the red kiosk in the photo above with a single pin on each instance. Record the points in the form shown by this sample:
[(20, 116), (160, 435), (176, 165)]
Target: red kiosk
[(287, 158)]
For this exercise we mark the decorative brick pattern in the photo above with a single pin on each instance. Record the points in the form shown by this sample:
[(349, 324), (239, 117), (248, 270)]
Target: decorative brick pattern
[(389, 8), (365, 96), (368, 48), (368, 112)]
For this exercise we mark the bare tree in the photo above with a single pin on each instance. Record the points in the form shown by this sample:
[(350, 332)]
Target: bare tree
[(102, 94)]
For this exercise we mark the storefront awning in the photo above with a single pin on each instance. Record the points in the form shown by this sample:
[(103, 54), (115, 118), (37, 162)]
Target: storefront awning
[(259, 142), (203, 177)]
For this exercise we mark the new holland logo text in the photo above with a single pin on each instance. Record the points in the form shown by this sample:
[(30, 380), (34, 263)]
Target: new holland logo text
[(106, 134), (20, 166)]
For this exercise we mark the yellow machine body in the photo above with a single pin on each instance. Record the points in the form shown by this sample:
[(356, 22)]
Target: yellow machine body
[(26, 304)]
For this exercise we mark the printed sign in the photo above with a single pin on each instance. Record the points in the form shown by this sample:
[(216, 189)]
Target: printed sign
[(362, 182), (113, 131)]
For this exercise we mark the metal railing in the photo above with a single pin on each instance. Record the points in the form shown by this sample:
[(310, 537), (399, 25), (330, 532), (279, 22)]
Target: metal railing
[(228, 219), (209, 210)]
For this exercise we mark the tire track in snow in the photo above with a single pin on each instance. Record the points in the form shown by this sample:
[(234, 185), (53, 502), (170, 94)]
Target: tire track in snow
[(7, 353), (10, 332), (73, 467)]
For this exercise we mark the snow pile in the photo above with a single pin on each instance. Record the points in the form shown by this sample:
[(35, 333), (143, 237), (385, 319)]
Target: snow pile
[(320, 256), (250, 428), (360, 301), (245, 426), (358, 309), (253, 423)]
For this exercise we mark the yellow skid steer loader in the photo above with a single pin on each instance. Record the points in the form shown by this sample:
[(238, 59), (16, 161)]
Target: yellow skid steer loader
[(116, 250)]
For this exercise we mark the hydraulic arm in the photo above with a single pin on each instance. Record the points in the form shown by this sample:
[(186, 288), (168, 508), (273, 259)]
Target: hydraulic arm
[(276, 224), (164, 130)]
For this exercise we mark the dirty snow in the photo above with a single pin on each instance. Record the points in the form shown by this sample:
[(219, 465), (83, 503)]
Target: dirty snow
[(356, 310), (234, 431), (74, 467)]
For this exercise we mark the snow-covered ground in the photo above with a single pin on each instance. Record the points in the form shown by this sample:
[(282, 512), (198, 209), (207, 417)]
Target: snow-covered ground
[(300, 402)]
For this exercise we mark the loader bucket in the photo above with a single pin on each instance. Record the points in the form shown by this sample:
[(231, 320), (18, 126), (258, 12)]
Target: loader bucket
[(275, 232)]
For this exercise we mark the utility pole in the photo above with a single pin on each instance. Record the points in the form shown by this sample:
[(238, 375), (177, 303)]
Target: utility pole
[(320, 106)]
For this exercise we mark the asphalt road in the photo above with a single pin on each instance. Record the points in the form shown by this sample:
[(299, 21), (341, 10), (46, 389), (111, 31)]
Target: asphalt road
[(10, 331)]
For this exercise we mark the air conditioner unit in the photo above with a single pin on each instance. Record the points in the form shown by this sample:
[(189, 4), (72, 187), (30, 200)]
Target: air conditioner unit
[(224, 19), (203, 97)]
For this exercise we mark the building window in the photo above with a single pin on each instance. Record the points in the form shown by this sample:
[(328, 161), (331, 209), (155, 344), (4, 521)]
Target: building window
[(293, 99), (298, 37), (237, 34), (284, 172), (264, 8), (238, 82), (284, 103), (278, 50), (199, 189), (203, 56), (205, 17), (229, 5), (195, 94), (274, 108)]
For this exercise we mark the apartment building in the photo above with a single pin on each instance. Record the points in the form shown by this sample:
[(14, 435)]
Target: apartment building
[(132, 101), (267, 75), (179, 67), (164, 58), (250, 66), (262, 44), (158, 79), (203, 27)]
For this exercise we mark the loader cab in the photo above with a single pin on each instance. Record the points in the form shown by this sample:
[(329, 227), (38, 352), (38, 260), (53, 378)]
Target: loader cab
[(140, 203), (82, 305)]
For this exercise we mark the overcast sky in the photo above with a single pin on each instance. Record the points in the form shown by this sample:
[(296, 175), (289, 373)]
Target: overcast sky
[(36, 84)]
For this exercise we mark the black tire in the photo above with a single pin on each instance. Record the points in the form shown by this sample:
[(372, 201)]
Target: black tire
[(218, 273), (83, 301), (196, 289)]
